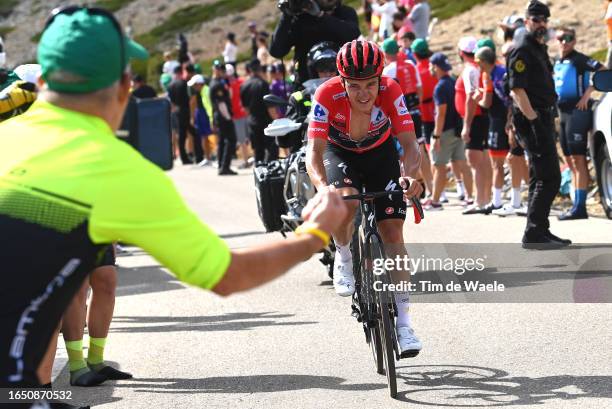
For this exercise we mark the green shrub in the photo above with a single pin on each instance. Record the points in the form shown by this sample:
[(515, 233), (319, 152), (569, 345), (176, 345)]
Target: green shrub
[(445, 9), (4, 30), (600, 55)]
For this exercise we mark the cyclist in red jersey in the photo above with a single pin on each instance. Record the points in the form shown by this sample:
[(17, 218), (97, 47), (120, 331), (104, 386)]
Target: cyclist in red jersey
[(353, 120)]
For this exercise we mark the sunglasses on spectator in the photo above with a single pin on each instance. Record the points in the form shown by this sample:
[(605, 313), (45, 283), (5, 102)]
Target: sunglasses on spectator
[(566, 38), (539, 20)]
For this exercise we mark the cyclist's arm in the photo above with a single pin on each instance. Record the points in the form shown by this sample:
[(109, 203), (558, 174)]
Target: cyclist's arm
[(153, 216), (412, 156), (314, 162)]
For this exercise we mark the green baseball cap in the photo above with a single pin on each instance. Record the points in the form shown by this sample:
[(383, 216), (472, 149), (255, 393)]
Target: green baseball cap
[(485, 42), (81, 52), (390, 46), (420, 47)]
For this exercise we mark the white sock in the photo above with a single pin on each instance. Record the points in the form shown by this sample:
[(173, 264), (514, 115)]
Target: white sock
[(344, 252), (515, 197), (497, 197), (460, 188), (403, 307), (443, 196)]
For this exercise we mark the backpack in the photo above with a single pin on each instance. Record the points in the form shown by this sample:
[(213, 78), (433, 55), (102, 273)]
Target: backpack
[(569, 83)]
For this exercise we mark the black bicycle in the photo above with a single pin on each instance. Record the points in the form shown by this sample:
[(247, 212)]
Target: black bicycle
[(376, 310)]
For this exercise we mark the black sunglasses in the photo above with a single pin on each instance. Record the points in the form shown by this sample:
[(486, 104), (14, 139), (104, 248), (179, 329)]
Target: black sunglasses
[(566, 38), (539, 20), (68, 10)]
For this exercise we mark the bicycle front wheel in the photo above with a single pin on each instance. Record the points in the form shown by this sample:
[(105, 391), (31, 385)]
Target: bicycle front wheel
[(385, 323)]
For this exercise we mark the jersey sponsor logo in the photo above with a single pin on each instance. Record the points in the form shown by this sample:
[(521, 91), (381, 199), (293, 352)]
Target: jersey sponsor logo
[(389, 210), (343, 166), (592, 63), (319, 112), (317, 129), (390, 186), (340, 117), (402, 211), (338, 96), (407, 122), (348, 181), (400, 105), (378, 116), (383, 87), (371, 219)]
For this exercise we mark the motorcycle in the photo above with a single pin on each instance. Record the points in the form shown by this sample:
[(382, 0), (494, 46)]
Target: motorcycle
[(297, 189)]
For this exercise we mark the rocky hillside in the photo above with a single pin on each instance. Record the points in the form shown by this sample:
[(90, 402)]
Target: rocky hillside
[(205, 22)]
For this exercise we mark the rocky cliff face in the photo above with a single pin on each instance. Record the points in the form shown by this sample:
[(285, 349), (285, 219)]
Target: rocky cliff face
[(207, 39)]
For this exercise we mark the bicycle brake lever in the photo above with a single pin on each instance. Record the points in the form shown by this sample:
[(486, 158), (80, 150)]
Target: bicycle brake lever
[(418, 210)]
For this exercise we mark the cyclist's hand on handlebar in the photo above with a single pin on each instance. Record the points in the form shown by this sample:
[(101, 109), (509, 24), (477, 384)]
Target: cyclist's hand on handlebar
[(327, 209), (411, 187)]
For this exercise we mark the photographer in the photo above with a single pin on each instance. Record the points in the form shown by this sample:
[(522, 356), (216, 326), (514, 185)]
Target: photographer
[(305, 23)]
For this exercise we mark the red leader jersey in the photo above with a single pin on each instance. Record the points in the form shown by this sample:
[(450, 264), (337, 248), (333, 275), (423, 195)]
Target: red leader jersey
[(330, 115)]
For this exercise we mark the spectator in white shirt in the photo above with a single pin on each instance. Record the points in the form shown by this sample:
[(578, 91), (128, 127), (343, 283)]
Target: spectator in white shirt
[(386, 10), (170, 63), (231, 50)]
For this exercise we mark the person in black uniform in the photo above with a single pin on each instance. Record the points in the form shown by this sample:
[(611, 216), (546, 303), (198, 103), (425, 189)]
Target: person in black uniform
[(321, 20), (222, 118), (530, 77), (321, 66), (260, 115)]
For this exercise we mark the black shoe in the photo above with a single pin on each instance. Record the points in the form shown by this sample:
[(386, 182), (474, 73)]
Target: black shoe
[(91, 378), (225, 172), (490, 207), (551, 236), (476, 210), (112, 373), (574, 215), (542, 243)]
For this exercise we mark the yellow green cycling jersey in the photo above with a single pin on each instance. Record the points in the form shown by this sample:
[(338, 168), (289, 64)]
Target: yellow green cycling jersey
[(61, 170)]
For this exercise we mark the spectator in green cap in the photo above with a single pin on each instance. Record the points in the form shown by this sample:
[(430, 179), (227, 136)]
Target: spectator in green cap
[(85, 87), (486, 42)]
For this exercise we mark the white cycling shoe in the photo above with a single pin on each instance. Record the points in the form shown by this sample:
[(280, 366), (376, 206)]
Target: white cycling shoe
[(344, 280), (409, 343)]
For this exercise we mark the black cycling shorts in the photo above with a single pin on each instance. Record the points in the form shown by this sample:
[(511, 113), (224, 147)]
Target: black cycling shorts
[(377, 169), (479, 133), (575, 127), (498, 139)]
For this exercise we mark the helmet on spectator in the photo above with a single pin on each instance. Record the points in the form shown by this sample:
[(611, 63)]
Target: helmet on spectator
[(360, 60), (322, 58)]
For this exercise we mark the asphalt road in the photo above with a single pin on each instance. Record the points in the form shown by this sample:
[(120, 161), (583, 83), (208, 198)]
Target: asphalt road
[(294, 344)]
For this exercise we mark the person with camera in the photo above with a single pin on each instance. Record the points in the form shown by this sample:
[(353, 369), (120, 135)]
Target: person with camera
[(530, 79), (304, 23)]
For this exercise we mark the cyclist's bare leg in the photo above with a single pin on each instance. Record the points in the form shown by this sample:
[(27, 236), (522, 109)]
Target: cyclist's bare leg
[(391, 232), (103, 281), (45, 369)]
